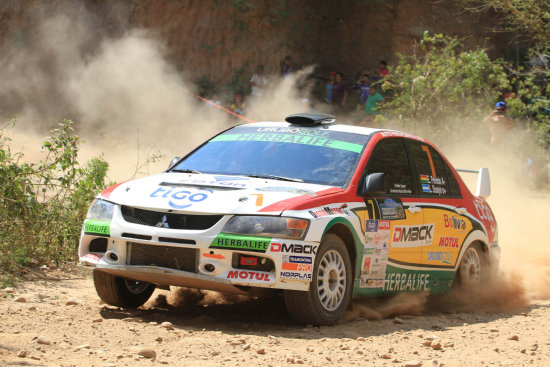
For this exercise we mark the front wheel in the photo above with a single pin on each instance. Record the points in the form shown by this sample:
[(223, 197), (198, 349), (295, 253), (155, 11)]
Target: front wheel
[(330, 287), (122, 292)]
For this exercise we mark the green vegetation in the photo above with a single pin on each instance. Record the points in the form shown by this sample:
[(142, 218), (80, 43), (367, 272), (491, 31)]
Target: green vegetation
[(442, 87), (43, 204), (530, 21), (440, 84)]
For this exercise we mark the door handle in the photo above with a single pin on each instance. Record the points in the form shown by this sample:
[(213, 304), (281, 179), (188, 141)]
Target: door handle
[(461, 210), (414, 209)]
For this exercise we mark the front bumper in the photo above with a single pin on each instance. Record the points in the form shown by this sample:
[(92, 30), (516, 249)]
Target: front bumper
[(191, 258)]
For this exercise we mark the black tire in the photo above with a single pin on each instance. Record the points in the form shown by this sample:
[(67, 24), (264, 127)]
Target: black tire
[(471, 271), (330, 287), (122, 292)]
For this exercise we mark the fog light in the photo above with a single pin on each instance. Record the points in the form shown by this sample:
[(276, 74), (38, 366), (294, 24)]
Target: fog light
[(209, 268), (112, 256)]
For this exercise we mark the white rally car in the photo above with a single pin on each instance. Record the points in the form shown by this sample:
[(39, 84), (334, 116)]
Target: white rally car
[(321, 212)]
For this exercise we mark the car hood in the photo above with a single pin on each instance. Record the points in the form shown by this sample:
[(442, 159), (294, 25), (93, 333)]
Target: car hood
[(203, 193)]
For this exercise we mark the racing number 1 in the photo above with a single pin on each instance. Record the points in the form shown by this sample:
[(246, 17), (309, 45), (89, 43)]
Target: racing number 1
[(427, 150)]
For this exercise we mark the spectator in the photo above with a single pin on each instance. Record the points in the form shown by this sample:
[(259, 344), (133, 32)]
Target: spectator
[(371, 106), (258, 82), (382, 69), (237, 106), (499, 124), (214, 100), (287, 66), (330, 85), (339, 93), (363, 84)]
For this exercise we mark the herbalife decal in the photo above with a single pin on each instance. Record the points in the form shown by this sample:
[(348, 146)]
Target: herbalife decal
[(239, 242), (97, 227), (413, 236)]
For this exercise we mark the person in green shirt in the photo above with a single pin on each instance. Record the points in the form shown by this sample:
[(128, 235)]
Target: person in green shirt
[(371, 106)]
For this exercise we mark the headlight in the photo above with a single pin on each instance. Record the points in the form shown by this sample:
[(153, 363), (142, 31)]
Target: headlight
[(100, 210), (279, 227)]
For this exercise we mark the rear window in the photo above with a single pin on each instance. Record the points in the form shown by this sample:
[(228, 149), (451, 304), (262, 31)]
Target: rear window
[(313, 155), (434, 176)]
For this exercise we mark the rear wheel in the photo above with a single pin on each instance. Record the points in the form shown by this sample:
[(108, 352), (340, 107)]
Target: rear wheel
[(330, 287), (471, 270), (121, 292)]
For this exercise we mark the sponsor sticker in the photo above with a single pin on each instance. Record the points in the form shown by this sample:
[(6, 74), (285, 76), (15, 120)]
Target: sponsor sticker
[(454, 222), (181, 199), (292, 139), (293, 248), (441, 256), (371, 225), (99, 227), (248, 275), (297, 267), (328, 211), (292, 190), (365, 268), (297, 259), (413, 236), (412, 282), (240, 242), (294, 275), (390, 209), (383, 225), (92, 257), (445, 241)]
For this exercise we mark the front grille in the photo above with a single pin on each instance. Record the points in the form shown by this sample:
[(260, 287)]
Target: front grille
[(177, 258), (168, 220)]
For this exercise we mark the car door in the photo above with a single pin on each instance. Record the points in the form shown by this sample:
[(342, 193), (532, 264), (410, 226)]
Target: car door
[(443, 209), (392, 244)]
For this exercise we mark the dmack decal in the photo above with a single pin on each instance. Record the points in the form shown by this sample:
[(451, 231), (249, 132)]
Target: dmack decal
[(412, 236), (248, 275), (180, 199), (293, 248)]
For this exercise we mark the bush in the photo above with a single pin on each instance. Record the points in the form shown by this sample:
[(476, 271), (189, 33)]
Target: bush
[(43, 205), (441, 84)]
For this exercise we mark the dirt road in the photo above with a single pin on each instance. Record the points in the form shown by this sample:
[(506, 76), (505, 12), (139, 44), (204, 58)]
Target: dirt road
[(60, 321)]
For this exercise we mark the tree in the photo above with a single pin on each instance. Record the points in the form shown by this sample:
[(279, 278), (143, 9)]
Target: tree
[(440, 84)]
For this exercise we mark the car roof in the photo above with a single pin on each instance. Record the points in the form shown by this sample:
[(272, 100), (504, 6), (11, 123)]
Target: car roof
[(331, 127)]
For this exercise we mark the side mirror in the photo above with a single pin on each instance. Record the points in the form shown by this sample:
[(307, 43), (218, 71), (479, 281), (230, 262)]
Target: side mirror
[(174, 161), (375, 183)]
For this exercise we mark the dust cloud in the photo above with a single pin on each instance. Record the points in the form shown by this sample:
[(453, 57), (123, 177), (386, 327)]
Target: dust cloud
[(128, 102)]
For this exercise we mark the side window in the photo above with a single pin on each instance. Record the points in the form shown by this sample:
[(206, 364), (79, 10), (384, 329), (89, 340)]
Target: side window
[(390, 157), (434, 176)]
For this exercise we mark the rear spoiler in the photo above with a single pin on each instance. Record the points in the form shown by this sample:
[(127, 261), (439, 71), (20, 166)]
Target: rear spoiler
[(483, 181)]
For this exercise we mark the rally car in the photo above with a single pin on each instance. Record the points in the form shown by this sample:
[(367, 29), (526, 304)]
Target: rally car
[(318, 211)]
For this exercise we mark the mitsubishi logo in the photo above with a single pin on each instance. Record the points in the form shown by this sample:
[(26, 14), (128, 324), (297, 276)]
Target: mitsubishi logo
[(163, 222)]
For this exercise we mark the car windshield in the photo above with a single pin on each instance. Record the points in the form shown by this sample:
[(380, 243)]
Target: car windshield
[(313, 155)]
